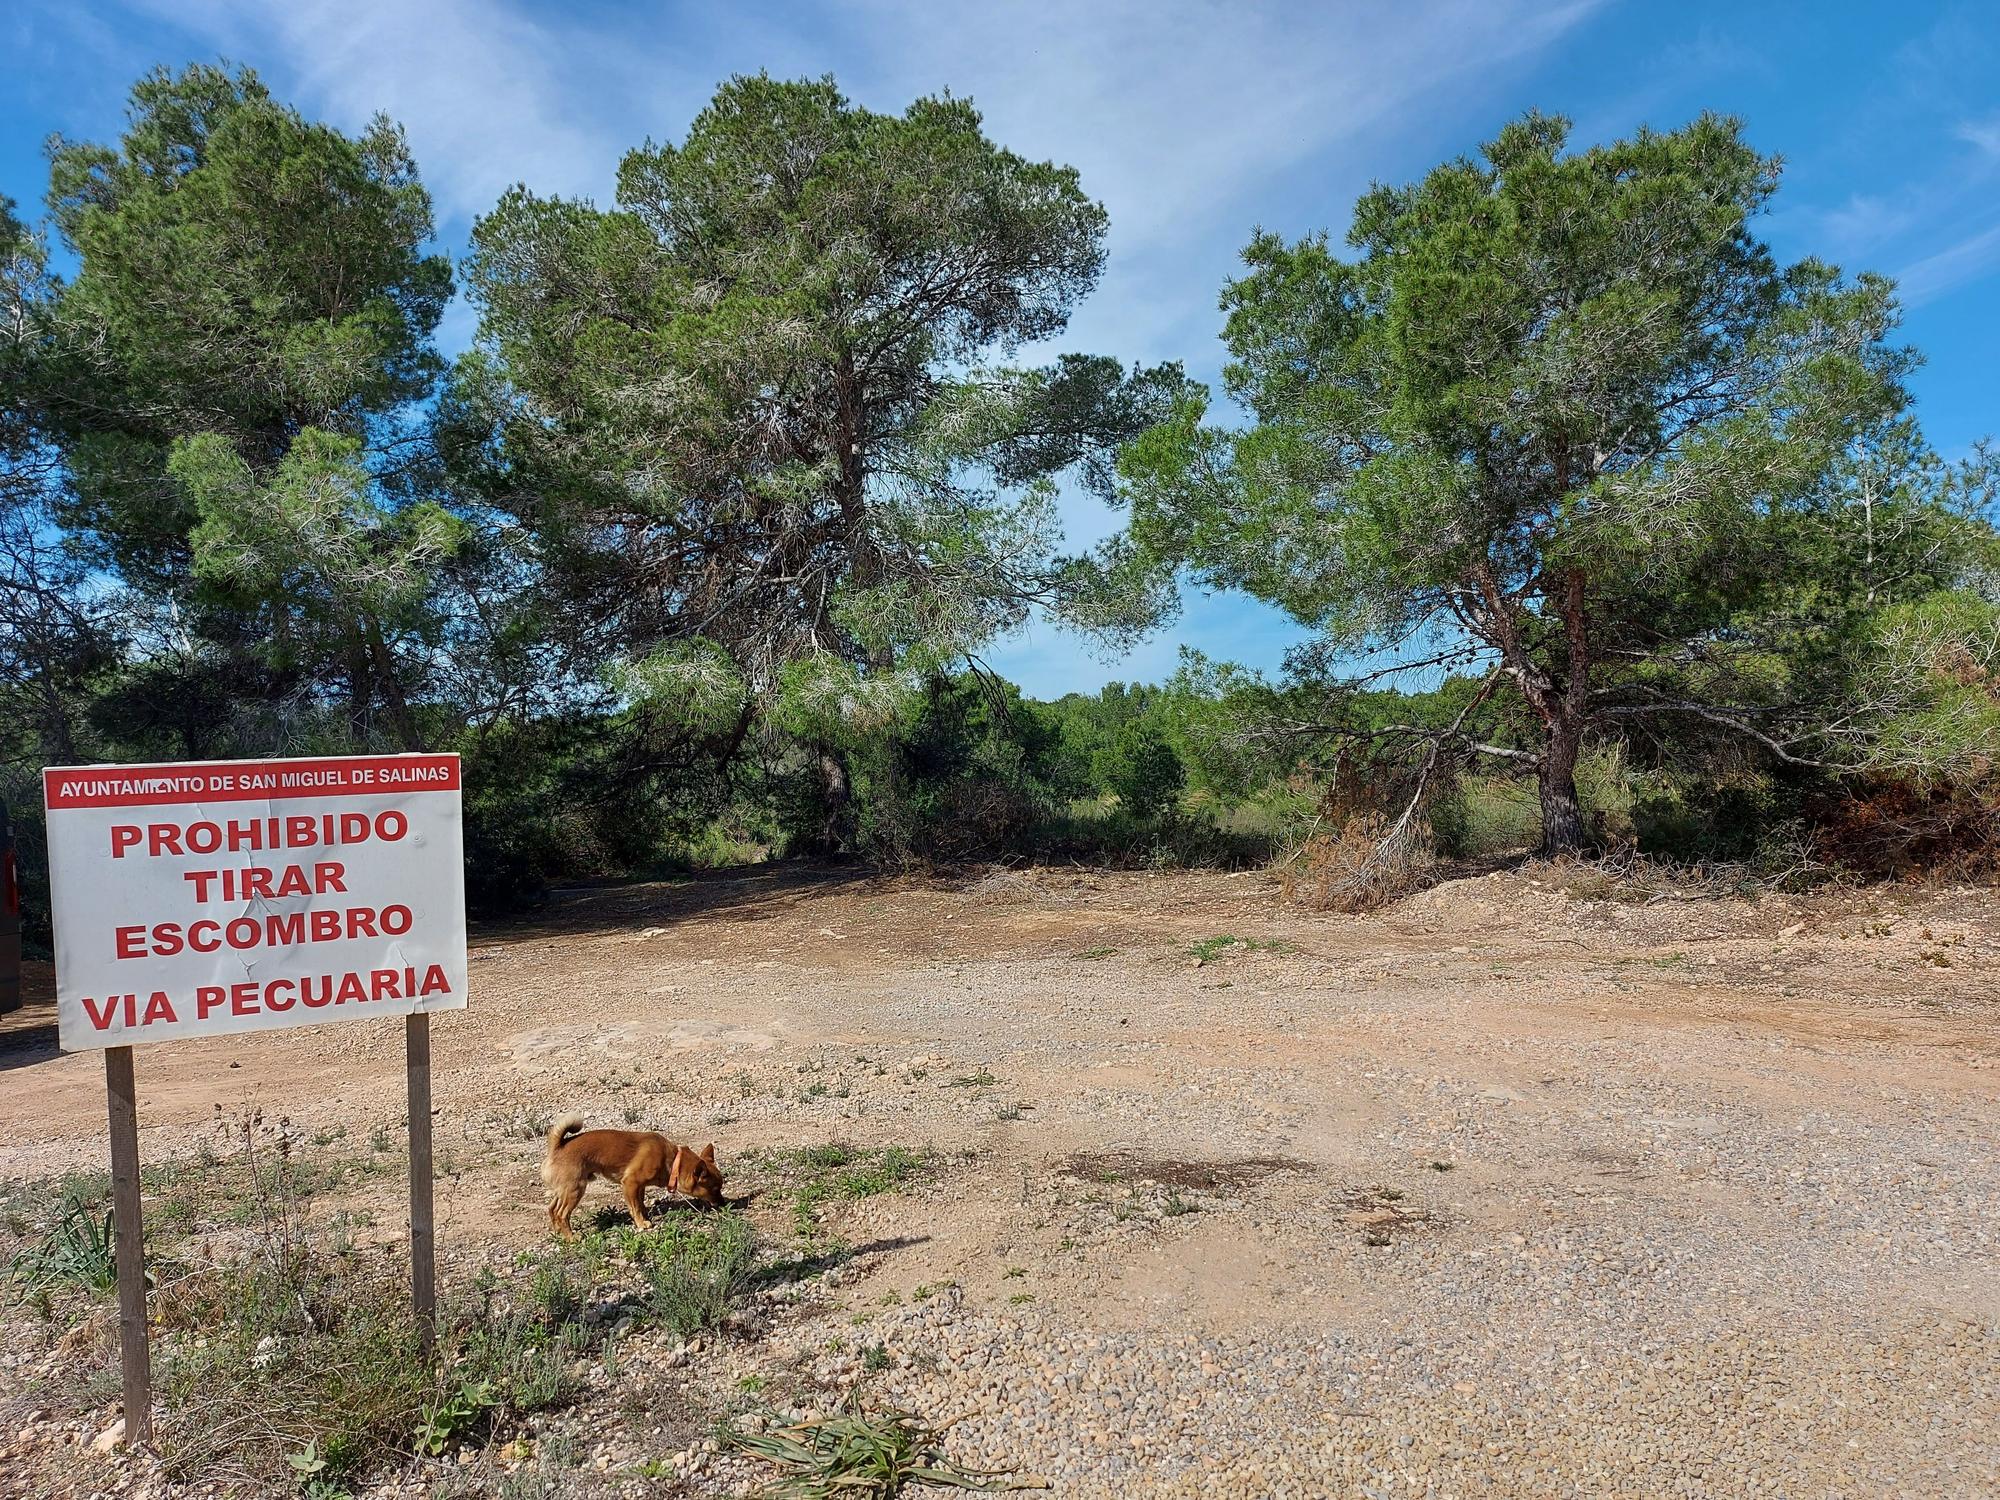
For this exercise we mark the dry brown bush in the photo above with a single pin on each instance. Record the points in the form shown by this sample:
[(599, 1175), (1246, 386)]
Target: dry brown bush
[(1899, 828), (1366, 862)]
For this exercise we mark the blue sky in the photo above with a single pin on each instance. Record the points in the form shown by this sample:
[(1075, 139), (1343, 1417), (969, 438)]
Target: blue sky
[(1193, 122)]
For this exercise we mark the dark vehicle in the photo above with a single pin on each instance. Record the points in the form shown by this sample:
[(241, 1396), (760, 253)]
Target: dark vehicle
[(10, 919)]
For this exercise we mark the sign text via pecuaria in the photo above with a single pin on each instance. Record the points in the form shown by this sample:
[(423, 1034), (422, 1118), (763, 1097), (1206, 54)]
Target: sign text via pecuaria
[(221, 896)]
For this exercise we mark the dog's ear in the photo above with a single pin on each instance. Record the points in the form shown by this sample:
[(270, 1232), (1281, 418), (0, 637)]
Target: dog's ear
[(708, 1153)]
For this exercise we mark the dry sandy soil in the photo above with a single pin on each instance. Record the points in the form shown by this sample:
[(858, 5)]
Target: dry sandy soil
[(1515, 1189)]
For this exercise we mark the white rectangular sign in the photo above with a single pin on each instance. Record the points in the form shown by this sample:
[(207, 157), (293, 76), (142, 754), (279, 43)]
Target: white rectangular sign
[(218, 896)]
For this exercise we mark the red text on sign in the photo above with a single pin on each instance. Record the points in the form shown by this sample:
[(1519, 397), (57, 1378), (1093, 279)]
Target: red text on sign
[(274, 930)]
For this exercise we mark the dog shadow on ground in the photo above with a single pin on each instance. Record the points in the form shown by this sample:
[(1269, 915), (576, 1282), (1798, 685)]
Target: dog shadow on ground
[(783, 1269), (663, 1209)]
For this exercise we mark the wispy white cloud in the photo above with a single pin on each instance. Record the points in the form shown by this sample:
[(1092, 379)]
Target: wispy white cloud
[(1944, 64), (1180, 117), (1967, 260), (1192, 121), (489, 96), (1698, 64), (1909, 220), (71, 65), (1176, 113), (1903, 128), (1867, 220), (1924, 222), (1983, 134)]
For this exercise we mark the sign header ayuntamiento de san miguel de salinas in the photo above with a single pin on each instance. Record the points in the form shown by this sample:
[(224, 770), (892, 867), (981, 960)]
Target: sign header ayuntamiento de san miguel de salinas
[(220, 896)]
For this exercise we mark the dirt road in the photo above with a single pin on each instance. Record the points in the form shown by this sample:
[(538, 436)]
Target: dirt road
[(1507, 1191)]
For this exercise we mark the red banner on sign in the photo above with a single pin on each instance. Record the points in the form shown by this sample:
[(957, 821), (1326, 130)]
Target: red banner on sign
[(247, 780)]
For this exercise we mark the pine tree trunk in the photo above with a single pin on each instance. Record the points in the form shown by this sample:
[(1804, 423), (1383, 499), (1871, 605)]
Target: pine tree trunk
[(837, 791), (1562, 814), (400, 717)]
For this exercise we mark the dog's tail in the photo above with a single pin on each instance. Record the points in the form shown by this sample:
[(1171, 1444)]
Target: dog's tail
[(559, 1132)]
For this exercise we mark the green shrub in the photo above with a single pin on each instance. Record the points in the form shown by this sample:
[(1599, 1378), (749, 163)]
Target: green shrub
[(1141, 768), (1679, 816), (1170, 840), (80, 1249), (316, 1360), (308, 1358), (1608, 790), (1480, 816), (697, 1269), (263, 1362), (864, 1452), (1708, 820), (525, 1358)]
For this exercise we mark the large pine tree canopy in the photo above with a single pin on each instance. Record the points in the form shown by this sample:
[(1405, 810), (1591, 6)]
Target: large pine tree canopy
[(763, 401), (1562, 421), (701, 542)]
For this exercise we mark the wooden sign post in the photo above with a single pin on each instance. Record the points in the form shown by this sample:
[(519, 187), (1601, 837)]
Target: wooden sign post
[(133, 1343), (423, 1250), (213, 897)]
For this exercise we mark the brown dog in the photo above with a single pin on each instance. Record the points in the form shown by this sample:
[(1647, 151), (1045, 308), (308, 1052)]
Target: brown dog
[(634, 1159)]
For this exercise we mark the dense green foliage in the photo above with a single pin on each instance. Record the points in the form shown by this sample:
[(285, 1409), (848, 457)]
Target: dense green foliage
[(232, 369), (1563, 423), (693, 555), (686, 554), (752, 418)]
